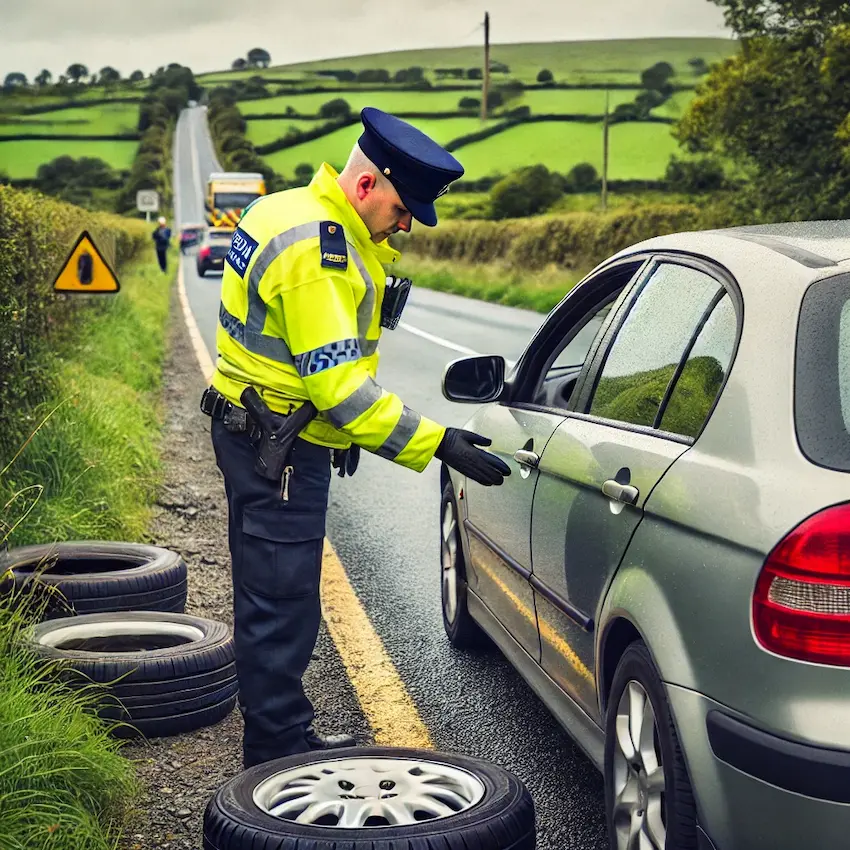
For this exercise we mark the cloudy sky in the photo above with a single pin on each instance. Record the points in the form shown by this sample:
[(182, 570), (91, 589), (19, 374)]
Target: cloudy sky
[(208, 34)]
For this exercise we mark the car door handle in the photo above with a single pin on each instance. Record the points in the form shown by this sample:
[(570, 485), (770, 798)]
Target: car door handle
[(624, 493), (526, 458)]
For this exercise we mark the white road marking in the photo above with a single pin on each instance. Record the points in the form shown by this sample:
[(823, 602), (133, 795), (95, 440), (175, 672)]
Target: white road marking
[(446, 343)]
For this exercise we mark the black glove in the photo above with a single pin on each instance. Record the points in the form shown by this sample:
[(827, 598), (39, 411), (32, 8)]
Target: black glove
[(458, 450), (346, 461)]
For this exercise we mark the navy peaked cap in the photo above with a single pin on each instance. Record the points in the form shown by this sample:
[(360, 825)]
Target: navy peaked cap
[(415, 164)]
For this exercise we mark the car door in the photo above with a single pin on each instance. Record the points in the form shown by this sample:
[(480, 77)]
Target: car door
[(639, 407), (498, 519)]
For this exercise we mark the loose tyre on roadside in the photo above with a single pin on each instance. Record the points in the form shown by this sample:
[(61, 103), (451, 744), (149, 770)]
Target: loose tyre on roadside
[(90, 577), (365, 798), (166, 673)]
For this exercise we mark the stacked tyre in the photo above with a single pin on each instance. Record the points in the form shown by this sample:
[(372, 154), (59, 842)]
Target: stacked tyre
[(92, 577), (166, 673), (112, 613)]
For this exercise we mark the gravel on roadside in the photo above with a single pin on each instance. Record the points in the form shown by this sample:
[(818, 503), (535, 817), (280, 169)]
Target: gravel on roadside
[(179, 774)]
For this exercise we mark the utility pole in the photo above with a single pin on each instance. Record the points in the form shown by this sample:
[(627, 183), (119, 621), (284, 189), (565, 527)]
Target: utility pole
[(486, 86), (605, 156)]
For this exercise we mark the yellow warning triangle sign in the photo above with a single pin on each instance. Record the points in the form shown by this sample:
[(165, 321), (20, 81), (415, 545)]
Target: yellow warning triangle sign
[(86, 270)]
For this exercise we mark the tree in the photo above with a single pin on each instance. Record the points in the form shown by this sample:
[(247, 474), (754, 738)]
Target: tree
[(136, 76), (525, 192), (259, 58), (469, 103), (778, 111), (336, 108), (44, 78), (648, 100), (76, 72), (109, 76), (14, 80), (693, 176), (545, 76), (699, 66), (373, 75), (656, 76), (304, 173), (474, 74), (238, 64), (751, 18), (582, 178)]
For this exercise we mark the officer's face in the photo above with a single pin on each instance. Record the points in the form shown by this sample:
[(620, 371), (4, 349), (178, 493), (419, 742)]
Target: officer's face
[(381, 209)]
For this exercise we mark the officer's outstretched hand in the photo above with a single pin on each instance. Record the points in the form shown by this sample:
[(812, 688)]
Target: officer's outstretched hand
[(458, 450)]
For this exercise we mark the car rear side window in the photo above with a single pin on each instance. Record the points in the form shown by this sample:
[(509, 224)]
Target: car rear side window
[(644, 360), (822, 374)]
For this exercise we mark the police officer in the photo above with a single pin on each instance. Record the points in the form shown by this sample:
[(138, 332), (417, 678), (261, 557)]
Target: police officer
[(304, 295)]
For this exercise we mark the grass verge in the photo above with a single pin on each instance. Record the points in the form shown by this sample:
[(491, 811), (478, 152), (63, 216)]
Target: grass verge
[(62, 777), (537, 290), (91, 468)]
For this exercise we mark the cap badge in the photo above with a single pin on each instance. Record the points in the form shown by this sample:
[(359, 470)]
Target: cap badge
[(331, 229)]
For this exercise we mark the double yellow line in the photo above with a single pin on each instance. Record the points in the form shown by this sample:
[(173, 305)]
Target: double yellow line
[(383, 697)]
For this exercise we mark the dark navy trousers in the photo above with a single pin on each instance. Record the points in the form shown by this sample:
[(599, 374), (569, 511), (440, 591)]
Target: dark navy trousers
[(276, 541)]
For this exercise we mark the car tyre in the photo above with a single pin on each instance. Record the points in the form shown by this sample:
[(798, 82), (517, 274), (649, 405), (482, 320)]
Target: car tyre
[(164, 674), (647, 788), (90, 577), (462, 630), (201, 271), (463, 803)]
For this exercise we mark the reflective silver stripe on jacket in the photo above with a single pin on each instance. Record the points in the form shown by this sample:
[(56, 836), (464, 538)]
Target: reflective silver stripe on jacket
[(401, 435), (252, 337), (355, 405)]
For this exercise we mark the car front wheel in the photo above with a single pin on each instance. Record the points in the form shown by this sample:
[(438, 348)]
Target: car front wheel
[(649, 802), (462, 630)]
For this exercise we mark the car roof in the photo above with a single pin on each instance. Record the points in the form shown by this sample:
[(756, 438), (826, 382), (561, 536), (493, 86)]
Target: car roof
[(809, 248)]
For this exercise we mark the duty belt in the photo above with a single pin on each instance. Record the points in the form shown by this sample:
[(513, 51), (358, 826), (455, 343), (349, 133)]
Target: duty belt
[(233, 417)]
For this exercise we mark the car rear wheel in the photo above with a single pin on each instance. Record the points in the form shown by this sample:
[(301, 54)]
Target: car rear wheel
[(365, 798), (201, 271), (649, 801), (462, 630)]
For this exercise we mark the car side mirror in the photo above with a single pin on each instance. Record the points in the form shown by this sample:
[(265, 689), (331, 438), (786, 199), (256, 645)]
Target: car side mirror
[(475, 380)]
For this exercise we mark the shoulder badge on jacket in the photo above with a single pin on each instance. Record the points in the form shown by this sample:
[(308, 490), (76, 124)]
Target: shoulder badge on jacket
[(332, 245)]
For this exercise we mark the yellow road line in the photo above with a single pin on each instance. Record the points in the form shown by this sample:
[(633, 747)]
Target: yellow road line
[(385, 702)]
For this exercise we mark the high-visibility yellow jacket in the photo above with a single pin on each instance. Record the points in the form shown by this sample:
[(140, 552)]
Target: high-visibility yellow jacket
[(300, 319)]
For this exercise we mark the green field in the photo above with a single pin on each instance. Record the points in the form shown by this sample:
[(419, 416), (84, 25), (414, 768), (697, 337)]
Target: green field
[(637, 151), (335, 147), (103, 120), (571, 102), (261, 132), (578, 61), (389, 101), (21, 160)]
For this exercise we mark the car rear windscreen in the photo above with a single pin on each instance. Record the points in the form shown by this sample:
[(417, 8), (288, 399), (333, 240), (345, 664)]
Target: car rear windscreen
[(822, 375), (234, 200)]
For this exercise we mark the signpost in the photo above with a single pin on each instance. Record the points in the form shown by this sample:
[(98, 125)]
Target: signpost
[(147, 201)]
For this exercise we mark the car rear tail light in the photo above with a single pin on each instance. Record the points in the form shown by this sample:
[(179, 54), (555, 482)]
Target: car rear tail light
[(801, 604), (205, 251)]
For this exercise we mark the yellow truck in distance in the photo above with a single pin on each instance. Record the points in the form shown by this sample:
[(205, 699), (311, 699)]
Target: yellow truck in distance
[(228, 193)]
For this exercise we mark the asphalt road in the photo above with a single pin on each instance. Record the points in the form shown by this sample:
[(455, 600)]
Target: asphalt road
[(383, 524)]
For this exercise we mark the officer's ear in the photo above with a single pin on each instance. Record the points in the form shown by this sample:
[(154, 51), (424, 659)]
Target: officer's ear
[(365, 185)]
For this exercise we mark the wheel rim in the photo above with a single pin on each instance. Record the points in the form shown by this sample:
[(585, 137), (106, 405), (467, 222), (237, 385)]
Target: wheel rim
[(639, 789), (449, 544), (354, 793)]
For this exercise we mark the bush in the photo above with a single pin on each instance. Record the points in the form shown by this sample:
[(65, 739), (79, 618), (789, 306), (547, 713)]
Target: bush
[(573, 240), (469, 103), (524, 192), (693, 176), (337, 108), (374, 75), (582, 178), (474, 74), (545, 76)]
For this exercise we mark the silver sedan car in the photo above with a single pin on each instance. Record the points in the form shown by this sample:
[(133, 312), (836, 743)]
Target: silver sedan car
[(668, 565)]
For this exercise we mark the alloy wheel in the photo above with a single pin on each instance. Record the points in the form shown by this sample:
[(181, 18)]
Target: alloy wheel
[(448, 547)]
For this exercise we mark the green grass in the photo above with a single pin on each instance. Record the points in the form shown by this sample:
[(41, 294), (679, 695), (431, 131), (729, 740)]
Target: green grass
[(90, 471), (578, 61), (572, 102), (106, 120), (637, 151), (22, 159), (335, 147), (389, 101), (540, 290), (261, 132), (63, 781)]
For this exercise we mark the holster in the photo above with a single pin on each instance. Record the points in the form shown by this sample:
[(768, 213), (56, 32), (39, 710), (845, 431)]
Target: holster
[(274, 434)]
